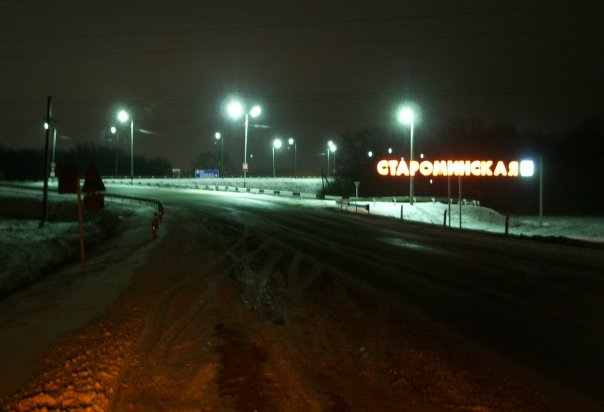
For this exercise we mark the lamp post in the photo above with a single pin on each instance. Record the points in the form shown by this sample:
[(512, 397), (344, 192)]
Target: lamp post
[(218, 136), (277, 143), (406, 116), (331, 147), (114, 132), (123, 117), (291, 141), (235, 110)]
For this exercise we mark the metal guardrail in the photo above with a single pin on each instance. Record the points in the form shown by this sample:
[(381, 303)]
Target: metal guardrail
[(226, 188), (159, 206), (346, 203)]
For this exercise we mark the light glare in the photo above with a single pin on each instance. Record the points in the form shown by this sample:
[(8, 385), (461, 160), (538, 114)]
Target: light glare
[(527, 168), (217, 135), (405, 115), (256, 110), (277, 143), (235, 109), (113, 130), (123, 116)]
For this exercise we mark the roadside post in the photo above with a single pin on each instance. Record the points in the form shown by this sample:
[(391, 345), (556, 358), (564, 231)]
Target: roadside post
[(69, 182), (459, 200), (93, 189)]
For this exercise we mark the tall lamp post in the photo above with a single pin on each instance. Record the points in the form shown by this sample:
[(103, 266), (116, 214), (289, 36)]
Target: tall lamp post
[(218, 136), (277, 143), (235, 110), (406, 116), (331, 147), (114, 132), (123, 117), (54, 149), (291, 141)]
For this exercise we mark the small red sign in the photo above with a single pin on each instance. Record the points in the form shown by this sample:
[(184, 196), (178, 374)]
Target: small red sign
[(94, 182), (69, 178)]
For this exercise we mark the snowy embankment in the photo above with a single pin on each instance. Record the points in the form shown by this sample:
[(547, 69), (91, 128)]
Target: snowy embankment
[(476, 217), (29, 250)]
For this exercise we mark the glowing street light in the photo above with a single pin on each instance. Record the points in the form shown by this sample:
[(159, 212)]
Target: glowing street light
[(123, 117), (277, 143), (370, 153), (406, 116), (54, 147), (218, 136), (291, 141), (235, 110), (331, 147), (114, 132)]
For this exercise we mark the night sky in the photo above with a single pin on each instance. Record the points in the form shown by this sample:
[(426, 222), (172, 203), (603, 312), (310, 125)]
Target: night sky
[(317, 68)]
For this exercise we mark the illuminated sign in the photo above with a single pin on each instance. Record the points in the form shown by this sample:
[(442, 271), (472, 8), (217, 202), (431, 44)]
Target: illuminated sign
[(514, 168)]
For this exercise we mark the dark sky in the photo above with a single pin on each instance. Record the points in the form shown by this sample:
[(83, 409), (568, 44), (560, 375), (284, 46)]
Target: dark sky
[(317, 68)]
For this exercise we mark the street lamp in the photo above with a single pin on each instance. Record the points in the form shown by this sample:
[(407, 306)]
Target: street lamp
[(218, 136), (54, 147), (370, 153), (277, 143), (114, 132), (406, 116), (291, 141), (123, 117), (331, 147), (235, 110)]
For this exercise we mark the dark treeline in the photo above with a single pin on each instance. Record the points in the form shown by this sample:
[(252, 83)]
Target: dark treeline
[(27, 164), (572, 175)]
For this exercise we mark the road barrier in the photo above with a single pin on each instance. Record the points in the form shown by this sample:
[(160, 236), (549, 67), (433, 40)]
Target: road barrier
[(345, 204), (223, 188)]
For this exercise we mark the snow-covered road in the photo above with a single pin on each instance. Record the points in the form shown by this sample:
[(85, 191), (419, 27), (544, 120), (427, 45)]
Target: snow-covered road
[(216, 314)]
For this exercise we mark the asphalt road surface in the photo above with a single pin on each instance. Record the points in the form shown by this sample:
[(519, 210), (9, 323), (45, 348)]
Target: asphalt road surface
[(539, 303), (520, 321)]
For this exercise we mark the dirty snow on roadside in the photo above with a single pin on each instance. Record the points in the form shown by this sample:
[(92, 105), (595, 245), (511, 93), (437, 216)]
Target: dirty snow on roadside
[(476, 217)]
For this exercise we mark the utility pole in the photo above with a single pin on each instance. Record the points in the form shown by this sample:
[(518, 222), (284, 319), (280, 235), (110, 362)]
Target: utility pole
[(45, 192)]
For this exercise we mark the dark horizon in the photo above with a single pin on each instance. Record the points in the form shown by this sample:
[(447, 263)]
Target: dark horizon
[(318, 70)]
